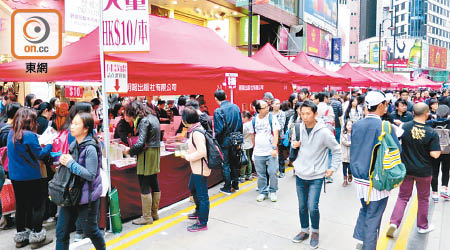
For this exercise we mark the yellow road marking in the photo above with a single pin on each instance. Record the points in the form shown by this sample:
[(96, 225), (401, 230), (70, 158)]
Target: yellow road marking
[(405, 230), (403, 237), (173, 223)]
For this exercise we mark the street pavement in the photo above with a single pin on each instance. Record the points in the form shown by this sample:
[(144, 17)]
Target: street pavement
[(240, 222)]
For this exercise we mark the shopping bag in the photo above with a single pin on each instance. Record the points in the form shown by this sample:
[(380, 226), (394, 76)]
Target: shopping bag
[(114, 210), (8, 198), (60, 146)]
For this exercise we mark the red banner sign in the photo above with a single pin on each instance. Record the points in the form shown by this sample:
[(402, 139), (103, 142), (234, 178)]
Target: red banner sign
[(74, 91), (318, 42), (437, 57)]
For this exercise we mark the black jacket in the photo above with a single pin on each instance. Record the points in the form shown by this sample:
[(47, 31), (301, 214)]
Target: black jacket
[(337, 109), (149, 134), (42, 123), (4, 131), (227, 119), (123, 131), (444, 100)]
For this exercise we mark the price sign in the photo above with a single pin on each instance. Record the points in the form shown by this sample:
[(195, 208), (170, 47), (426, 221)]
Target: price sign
[(74, 91)]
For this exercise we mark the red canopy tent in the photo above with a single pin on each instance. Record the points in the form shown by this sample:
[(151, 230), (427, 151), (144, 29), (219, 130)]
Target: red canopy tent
[(188, 58), (382, 82), (301, 77), (334, 79), (358, 78), (427, 83)]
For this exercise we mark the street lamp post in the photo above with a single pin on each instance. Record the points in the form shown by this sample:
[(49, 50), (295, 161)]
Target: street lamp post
[(395, 32), (250, 26)]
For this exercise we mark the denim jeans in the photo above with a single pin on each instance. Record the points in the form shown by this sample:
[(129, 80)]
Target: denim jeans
[(246, 171), (230, 168), (308, 194), (281, 158), (269, 163), (88, 216), (346, 169), (338, 134), (198, 185), (423, 194), (2, 181), (368, 224)]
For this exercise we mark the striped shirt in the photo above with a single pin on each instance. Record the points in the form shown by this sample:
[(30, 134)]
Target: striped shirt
[(363, 188)]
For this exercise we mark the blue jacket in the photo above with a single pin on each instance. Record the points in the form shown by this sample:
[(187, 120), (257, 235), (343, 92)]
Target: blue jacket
[(24, 157), (227, 119), (365, 134)]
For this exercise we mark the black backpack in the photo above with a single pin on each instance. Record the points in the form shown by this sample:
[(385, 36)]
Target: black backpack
[(214, 156), (65, 188)]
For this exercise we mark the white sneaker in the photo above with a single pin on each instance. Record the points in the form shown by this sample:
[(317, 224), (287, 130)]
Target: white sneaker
[(391, 230), (261, 197), (425, 231), (435, 197), (273, 197)]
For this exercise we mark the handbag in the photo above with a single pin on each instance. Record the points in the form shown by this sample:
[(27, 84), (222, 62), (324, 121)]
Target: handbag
[(243, 158), (133, 141), (293, 152)]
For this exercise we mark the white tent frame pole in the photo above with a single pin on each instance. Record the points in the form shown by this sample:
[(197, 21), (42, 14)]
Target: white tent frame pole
[(106, 135)]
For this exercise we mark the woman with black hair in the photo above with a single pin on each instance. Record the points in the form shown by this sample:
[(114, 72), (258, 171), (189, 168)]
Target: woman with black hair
[(198, 183), (29, 100), (11, 110), (353, 111), (147, 150), (84, 161), (45, 113)]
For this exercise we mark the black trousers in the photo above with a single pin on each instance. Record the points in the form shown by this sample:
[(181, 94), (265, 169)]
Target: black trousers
[(30, 204), (148, 183), (443, 163)]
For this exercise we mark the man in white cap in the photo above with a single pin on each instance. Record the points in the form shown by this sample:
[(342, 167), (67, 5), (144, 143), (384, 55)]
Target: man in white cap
[(365, 135)]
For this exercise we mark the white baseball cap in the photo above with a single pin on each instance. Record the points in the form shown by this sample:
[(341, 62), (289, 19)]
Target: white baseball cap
[(373, 98)]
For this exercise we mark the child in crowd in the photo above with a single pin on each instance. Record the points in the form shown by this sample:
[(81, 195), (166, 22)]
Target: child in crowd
[(246, 171), (346, 138)]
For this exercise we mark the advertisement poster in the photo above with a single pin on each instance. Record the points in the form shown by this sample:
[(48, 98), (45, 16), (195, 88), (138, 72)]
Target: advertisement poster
[(318, 42), (425, 51), (322, 12), (403, 49), (374, 54), (81, 16), (243, 26), (126, 26), (437, 57), (221, 27), (336, 54)]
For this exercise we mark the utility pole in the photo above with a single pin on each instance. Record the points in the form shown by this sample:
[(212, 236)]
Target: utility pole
[(379, 48), (395, 32), (250, 26)]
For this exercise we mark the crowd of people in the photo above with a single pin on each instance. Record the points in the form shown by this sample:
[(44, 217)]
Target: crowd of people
[(315, 133)]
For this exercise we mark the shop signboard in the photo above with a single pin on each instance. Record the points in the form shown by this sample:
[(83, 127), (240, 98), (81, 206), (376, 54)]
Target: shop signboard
[(81, 16), (374, 54), (243, 25), (322, 13), (126, 26), (244, 3), (336, 47), (403, 49), (116, 77), (73, 91), (425, 51), (437, 57), (318, 42)]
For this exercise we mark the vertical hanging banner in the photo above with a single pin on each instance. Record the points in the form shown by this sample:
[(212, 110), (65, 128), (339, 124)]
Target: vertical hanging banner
[(116, 77), (126, 26)]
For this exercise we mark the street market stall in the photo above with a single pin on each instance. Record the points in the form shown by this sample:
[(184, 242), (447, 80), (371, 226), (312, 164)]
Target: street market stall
[(358, 79), (334, 80), (302, 78)]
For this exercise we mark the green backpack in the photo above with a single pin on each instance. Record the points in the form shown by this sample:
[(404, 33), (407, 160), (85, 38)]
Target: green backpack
[(388, 170)]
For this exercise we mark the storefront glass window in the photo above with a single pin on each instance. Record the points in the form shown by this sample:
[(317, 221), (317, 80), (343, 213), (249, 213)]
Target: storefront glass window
[(287, 5)]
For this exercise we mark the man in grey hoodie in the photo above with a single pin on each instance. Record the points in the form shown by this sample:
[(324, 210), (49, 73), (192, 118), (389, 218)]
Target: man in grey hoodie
[(315, 141)]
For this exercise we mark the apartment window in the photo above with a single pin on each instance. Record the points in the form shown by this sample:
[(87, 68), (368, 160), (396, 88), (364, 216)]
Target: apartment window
[(402, 28), (396, 8), (403, 17), (403, 5)]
